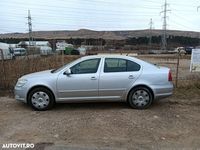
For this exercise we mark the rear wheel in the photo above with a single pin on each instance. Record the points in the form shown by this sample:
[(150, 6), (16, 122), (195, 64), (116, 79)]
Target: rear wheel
[(41, 99), (140, 98)]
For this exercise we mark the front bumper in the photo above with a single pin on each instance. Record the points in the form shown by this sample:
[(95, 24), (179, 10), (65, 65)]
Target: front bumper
[(20, 94)]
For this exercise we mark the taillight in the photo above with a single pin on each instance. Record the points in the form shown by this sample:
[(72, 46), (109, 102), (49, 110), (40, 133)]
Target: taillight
[(170, 76)]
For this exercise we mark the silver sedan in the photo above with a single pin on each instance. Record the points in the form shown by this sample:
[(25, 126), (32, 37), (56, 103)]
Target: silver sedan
[(96, 78)]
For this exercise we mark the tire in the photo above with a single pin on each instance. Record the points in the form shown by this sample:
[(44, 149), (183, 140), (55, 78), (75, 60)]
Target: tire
[(140, 98), (41, 99)]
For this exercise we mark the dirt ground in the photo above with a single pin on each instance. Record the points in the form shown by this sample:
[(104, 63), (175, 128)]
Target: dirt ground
[(172, 123)]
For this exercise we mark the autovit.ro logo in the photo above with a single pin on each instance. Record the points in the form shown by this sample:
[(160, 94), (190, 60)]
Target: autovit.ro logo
[(17, 145)]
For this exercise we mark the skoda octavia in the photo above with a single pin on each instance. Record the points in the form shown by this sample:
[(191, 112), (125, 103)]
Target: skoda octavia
[(96, 78)]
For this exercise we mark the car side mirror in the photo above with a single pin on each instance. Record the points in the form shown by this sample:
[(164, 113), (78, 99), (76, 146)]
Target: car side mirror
[(68, 72)]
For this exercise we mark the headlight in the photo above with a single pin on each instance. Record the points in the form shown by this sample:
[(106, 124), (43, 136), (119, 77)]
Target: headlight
[(21, 82)]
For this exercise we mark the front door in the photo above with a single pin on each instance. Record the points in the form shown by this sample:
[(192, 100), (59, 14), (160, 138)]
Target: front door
[(82, 83)]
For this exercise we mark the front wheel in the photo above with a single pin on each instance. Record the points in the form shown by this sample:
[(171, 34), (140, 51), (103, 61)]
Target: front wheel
[(41, 99), (140, 98)]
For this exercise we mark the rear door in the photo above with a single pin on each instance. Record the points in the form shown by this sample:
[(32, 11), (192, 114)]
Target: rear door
[(117, 76)]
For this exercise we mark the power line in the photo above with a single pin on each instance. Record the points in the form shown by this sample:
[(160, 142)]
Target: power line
[(186, 20), (72, 13), (180, 25), (91, 8), (151, 1), (76, 16)]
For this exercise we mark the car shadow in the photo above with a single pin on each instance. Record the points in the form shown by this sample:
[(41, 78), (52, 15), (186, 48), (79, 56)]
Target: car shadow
[(103, 105), (91, 105)]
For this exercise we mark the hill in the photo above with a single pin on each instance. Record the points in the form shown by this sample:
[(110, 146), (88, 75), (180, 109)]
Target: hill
[(86, 34)]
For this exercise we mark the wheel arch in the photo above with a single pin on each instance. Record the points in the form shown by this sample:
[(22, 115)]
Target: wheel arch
[(39, 86), (141, 85)]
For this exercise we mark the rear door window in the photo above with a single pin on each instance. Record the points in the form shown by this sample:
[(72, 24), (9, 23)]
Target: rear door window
[(132, 66), (120, 65)]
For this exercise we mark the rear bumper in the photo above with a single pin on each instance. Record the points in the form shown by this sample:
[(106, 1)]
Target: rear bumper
[(163, 91)]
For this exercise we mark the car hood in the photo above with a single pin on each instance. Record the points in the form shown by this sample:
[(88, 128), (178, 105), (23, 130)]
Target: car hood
[(45, 73)]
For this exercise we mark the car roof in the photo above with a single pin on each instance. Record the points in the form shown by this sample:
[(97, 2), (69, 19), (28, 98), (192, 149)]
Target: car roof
[(113, 56), (141, 62), (107, 56)]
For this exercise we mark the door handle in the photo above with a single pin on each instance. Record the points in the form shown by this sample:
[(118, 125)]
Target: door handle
[(93, 78), (131, 77)]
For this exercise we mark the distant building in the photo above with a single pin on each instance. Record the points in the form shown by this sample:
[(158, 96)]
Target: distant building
[(62, 45), (82, 50), (12, 46), (88, 47), (34, 43), (44, 46), (5, 51)]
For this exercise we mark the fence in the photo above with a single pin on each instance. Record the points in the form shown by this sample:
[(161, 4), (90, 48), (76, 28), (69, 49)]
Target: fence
[(11, 70), (180, 68)]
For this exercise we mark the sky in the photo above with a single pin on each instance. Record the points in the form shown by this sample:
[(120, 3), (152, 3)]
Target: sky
[(100, 15)]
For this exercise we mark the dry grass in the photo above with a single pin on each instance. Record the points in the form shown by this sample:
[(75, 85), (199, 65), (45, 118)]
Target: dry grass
[(186, 92), (19, 67)]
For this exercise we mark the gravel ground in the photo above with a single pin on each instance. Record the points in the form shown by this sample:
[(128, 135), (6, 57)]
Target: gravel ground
[(172, 123)]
